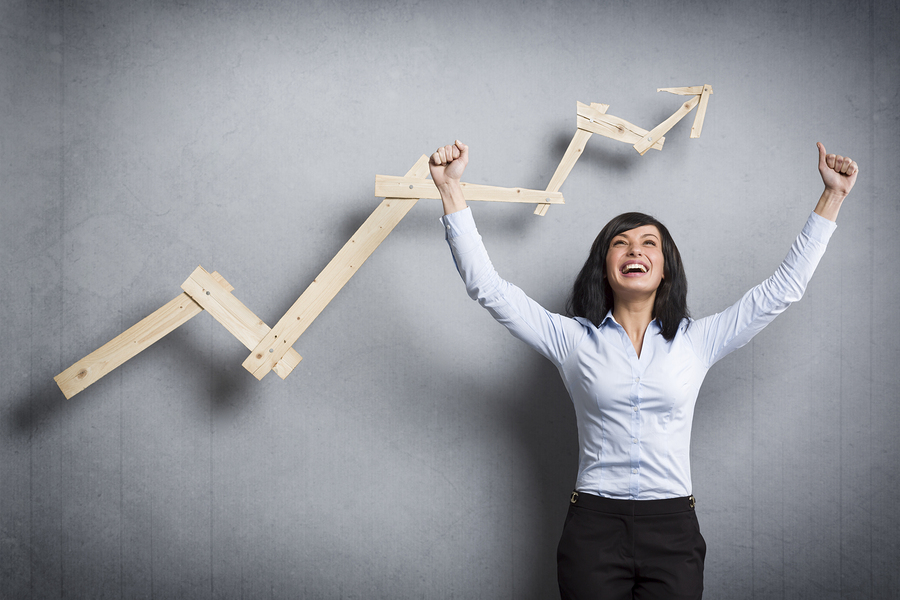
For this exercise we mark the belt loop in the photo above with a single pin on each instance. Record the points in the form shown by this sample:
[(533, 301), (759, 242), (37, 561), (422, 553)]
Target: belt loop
[(574, 498)]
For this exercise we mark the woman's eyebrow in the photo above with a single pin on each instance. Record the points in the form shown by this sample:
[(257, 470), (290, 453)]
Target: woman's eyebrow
[(644, 235)]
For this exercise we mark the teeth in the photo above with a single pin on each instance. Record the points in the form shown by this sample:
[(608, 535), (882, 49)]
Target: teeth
[(634, 267)]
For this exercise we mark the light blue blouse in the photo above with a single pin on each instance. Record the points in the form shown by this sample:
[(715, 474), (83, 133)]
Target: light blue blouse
[(634, 414)]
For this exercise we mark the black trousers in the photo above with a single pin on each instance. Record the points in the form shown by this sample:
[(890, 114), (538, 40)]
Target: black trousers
[(630, 550)]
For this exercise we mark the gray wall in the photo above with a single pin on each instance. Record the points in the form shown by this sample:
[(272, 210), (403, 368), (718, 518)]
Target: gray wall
[(419, 451)]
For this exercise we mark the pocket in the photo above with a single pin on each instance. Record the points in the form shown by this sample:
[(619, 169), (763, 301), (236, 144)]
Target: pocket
[(565, 537), (700, 542)]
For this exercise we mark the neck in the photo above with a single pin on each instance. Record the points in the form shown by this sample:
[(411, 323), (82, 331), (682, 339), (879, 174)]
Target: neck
[(634, 317)]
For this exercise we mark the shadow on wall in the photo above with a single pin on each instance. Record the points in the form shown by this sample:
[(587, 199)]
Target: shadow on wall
[(523, 412), (541, 420), (228, 388), (533, 414)]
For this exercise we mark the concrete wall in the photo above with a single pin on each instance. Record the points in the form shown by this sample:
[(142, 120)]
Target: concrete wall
[(419, 451)]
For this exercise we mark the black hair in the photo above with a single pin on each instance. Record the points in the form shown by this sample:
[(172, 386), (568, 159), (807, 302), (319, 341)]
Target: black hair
[(592, 296)]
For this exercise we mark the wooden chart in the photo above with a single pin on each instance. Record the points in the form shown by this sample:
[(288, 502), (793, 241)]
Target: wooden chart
[(271, 348)]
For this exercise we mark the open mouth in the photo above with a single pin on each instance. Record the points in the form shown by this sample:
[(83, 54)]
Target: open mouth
[(632, 268)]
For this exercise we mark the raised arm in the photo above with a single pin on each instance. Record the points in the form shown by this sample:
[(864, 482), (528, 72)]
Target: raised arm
[(550, 334), (447, 165), (715, 336), (839, 176)]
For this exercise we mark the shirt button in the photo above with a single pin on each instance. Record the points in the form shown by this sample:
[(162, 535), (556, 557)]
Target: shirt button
[(634, 440), (637, 379), (634, 470), (635, 409)]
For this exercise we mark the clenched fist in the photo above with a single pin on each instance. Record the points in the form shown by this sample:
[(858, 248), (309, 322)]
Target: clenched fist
[(448, 163), (838, 172)]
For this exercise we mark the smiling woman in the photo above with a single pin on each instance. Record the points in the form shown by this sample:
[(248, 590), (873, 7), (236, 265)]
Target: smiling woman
[(632, 238), (633, 361)]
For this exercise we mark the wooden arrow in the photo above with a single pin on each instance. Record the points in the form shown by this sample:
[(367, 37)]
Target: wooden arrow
[(594, 119), (272, 347)]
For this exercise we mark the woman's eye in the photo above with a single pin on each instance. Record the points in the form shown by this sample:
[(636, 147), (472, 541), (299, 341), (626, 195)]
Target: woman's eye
[(650, 243)]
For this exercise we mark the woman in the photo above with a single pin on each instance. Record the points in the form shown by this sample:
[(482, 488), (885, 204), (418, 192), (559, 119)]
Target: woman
[(633, 361)]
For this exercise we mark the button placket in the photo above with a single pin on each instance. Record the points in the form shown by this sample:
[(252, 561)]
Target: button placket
[(635, 452)]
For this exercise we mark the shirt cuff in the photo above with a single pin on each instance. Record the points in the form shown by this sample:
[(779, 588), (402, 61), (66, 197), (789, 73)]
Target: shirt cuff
[(819, 228), (459, 223)]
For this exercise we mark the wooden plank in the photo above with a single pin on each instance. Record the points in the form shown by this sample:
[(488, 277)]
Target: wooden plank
[(225, 308), (131, 342), (573, 153), (660, 130), (287, 364), (390, 186), (233, 315), (333, 277), (611, 126), (691, 90), (701, 111)]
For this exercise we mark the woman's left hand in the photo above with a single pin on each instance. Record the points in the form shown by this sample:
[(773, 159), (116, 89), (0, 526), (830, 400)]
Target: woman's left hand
[(838, 172)]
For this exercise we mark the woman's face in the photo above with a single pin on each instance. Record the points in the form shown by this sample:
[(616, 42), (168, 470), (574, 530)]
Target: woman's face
[(635, 264)]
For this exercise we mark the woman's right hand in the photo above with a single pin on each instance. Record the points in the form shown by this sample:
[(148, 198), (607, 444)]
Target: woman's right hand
[(448, 163)]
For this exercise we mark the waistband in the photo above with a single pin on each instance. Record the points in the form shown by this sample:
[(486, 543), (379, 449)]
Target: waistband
[(632, 507)]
